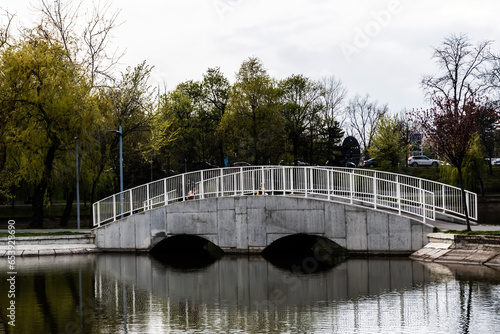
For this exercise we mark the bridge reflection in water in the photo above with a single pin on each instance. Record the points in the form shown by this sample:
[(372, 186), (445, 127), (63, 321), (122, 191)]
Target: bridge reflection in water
[(118, 293)]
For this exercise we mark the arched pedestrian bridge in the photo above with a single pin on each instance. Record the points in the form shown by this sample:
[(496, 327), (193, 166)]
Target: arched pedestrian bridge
[(245, 209)]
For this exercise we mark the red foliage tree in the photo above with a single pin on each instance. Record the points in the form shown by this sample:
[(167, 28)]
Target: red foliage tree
[(450, 125)]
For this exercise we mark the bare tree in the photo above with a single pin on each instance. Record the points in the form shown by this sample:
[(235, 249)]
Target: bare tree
[(87, 44), (463, 65), (363, 116), (333, 96), (5, 28), (492, 77)]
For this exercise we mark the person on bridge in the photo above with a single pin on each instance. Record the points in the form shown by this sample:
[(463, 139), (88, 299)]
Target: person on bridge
[(261, 190), (191, 194)]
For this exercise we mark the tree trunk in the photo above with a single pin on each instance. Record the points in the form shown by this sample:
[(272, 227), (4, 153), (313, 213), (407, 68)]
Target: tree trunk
[(464, 199), (221, 154), (92, 199), (37, 206), (41, 187), (67, 210)]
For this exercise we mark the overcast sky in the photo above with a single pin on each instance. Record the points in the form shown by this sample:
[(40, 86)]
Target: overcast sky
[(381, 48)]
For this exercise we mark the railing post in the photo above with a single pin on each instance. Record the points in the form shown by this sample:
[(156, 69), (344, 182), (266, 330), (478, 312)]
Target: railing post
[(421, 195), (165, 192), (271, 170), (467, 204), (114, 208), (433, 206), (262, 183), (375, 190), (202, 186), (443, 194), (98, 214), (235, 179), (132, 204), (221, 184), (291, 180), (305, 181), (398, 194), (241, 179), (351, 185), (475, 207), (328, 183), (311, 179), (422, 203), (284, 180), (184, 187)]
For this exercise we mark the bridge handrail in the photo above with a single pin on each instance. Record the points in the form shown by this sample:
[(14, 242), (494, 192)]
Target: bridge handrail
[(402, 193)]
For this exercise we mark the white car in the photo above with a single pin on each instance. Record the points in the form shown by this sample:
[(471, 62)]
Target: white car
[(422, 160)]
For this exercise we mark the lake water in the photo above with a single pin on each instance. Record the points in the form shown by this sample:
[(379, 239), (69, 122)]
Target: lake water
[(129, 293)]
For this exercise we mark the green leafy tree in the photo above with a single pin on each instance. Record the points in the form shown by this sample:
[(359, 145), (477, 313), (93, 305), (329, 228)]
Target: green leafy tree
[(388, 143), (216, 96), (43, 96), (253, 124), (176, 109), (487, 124), (300, 105)]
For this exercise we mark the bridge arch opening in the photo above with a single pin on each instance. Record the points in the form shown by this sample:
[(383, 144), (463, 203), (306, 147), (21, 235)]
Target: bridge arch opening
[(186, 251), (305, 253)]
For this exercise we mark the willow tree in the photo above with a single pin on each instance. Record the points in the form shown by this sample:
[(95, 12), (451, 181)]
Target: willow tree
[(43, 99)]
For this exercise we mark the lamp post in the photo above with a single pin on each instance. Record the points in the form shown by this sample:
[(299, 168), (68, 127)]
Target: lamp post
[(119, 131), (77, 185)]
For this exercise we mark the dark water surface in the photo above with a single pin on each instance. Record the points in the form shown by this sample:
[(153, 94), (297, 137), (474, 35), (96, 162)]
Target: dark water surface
[(128, 293)]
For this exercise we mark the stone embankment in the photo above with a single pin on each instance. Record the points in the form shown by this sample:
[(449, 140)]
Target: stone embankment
[(463, 249), (49, 245)]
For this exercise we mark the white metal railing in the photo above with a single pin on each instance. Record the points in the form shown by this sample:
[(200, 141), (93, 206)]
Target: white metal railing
[(381, 190)]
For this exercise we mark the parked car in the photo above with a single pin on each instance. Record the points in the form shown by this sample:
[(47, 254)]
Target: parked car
[(370, 163), (422, 160)]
